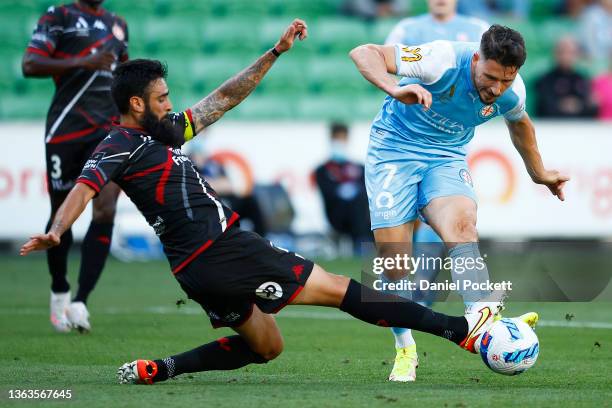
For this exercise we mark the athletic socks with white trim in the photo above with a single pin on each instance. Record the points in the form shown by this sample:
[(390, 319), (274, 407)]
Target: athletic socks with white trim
[(226, 353)]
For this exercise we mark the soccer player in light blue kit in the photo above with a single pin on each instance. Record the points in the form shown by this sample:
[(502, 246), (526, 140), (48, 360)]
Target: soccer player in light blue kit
[(416, 158), (441, 23)]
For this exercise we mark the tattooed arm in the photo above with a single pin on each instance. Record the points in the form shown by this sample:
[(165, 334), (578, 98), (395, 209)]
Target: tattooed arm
[(236, 89)]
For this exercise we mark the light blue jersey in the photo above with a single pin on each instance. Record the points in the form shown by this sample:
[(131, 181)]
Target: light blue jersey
[(443, 68), (416, 155), (424, 28)]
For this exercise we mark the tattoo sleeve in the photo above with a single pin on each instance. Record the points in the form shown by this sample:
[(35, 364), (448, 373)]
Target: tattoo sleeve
[(230, 93)]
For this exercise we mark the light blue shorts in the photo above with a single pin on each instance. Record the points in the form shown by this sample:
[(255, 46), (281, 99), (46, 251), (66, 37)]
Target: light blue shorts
[(402, 182)]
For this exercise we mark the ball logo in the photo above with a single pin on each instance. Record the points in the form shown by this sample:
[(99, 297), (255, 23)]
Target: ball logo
[(269, 290), (488, 111)]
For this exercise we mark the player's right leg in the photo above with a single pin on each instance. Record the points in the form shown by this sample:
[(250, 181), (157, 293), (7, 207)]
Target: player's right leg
[(391, 242), (258, 341), (392, 178)]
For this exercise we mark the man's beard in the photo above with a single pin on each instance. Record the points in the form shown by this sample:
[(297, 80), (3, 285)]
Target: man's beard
[(163, 130)]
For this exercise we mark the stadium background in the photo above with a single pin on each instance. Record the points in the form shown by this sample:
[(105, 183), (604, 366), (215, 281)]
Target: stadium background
[(280, 134)]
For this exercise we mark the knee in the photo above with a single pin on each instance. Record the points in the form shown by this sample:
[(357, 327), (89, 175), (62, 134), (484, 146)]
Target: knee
[(464, 228), (104, 213), (271, 349)]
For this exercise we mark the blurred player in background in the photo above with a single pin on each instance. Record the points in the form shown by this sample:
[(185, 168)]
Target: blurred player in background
[(441, 23), (238, 277), (77, 45), (416, 159), (342, 185)]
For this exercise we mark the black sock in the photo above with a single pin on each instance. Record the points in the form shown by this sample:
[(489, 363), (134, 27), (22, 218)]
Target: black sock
[(94, 252), (57, 261), (226, 353), (384, 309)]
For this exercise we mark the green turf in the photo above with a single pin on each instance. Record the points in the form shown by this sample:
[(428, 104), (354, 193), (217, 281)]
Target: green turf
[(327, 362)]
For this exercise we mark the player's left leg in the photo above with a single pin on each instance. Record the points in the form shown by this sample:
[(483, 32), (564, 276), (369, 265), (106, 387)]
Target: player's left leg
[(448, 203), (258, 341), (94, 252), (382, 309)]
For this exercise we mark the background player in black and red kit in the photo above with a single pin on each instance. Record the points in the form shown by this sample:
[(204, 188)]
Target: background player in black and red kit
[(78, 45), (238, 277)]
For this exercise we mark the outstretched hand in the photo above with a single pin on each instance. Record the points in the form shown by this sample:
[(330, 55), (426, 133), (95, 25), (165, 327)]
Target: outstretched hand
[(40, 242), (555, 182), (297, 29)]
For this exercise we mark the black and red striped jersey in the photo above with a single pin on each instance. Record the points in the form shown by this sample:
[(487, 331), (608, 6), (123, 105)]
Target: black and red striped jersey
[(82, 108), (161, 181)]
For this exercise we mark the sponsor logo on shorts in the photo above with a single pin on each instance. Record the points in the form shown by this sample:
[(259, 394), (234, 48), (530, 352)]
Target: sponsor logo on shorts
[(269, 291), (158, 226), (466, 177), (231, 317), (385, 215)]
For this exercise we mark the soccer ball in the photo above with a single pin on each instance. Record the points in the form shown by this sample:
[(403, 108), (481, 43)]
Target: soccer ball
[(509, 347)]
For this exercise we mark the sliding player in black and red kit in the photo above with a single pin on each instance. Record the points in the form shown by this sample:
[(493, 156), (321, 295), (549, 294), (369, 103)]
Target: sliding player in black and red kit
[(77, 45), (238, 277)]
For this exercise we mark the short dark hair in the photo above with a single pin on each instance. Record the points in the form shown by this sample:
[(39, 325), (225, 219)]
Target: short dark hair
[(337, 127), (132, 78), (503, 45)]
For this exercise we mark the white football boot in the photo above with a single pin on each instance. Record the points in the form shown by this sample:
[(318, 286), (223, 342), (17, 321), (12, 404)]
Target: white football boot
[(480, 316), (78, 316), (58, 305), (137, 372)]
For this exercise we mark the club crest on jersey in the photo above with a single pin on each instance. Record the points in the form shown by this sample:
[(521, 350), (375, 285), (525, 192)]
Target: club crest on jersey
[(269, 290), (118, 32), (487, 111), (466, 177)]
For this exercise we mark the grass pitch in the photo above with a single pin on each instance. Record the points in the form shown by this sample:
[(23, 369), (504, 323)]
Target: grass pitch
[(329, 360)]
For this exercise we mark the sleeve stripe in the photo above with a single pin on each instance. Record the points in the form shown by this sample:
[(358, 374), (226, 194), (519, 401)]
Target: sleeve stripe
[(89, 183), (33, 50)]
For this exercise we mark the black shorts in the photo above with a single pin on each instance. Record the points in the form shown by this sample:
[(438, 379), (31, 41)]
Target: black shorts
[(65, 162), (241, 269)]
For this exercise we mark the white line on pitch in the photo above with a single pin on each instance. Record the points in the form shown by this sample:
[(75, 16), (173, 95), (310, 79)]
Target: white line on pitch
[(287, 313)]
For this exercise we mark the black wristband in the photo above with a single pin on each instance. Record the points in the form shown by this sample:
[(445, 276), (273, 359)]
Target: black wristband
[(275, 52)]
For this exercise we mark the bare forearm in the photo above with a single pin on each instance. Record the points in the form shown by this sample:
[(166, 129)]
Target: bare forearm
[(231, 92), (39, 66), (71, 209), (370, 62), (524, 140)]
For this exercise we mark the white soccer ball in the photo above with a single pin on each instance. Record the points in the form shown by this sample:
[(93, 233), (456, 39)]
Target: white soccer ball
[(509, 347)]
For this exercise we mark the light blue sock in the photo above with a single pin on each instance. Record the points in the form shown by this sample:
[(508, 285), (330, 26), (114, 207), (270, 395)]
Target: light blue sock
[(477, 272)]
